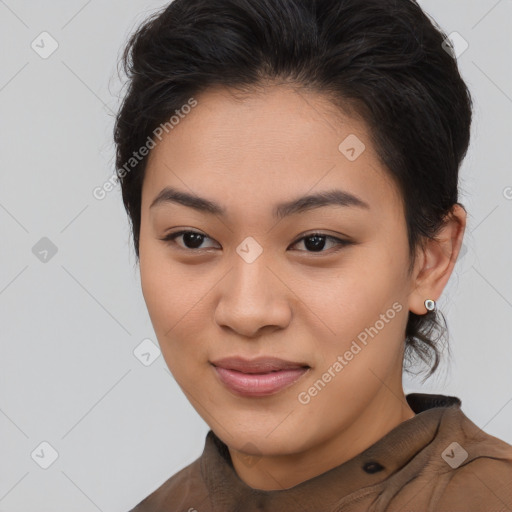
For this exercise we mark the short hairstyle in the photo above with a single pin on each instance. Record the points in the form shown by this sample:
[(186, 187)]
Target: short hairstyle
[(383, 60)]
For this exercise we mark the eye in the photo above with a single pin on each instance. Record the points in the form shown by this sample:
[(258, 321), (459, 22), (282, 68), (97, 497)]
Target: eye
[(191, 239), (316, 242)]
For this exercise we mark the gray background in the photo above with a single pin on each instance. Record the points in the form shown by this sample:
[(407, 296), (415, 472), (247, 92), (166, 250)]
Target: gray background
[(70, 321)]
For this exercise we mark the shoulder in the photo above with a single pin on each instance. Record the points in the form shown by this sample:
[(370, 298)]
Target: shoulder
[(475, 470), (184, 491), (483, 483)]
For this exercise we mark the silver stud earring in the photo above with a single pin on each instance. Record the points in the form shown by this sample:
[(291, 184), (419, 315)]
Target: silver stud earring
[(430, 304)]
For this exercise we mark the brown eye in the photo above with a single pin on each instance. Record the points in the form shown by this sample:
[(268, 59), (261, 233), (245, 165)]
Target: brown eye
[(316, 242), (191, 240)]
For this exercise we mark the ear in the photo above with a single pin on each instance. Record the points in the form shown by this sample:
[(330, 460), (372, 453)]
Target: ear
[(436, 260)]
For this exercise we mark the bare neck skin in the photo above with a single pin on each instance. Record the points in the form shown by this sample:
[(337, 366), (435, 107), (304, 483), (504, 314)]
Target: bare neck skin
[(381, 415)]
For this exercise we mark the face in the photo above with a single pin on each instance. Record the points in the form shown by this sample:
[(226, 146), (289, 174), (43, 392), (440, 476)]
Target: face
[(319, 283)]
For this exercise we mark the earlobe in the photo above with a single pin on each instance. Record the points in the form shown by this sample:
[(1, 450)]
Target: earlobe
[(437, 261)]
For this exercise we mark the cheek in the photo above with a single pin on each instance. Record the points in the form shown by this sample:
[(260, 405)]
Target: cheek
[(175, 308), (157, 287), (351, 295), (162, 285), (361, 302)]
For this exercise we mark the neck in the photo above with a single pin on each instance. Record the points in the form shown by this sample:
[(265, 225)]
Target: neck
[(277, 472)]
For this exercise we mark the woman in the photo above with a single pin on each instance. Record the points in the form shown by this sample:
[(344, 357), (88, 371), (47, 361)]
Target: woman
[(290, 171)]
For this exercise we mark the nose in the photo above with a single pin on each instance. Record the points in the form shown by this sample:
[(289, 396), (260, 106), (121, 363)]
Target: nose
[(253, 298)]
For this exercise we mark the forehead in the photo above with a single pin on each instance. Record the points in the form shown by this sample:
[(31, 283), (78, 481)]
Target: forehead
[(267, 146)]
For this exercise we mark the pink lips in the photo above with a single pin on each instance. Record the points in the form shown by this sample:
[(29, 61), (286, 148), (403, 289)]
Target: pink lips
[(258, 377)]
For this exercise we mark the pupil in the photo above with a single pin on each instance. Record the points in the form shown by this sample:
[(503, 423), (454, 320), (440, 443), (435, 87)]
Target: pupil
[(318, 244), (192, 240)]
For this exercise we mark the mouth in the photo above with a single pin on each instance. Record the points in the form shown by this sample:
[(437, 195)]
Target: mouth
[(258, 377), (258, 365)]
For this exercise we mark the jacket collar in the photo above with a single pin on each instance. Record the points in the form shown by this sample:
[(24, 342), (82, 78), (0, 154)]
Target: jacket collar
[(373, 465)]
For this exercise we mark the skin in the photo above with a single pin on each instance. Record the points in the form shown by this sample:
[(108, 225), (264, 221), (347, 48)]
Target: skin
[(292, 302)]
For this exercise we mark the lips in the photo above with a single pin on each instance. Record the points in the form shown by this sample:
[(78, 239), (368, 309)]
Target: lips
[(258, 377), (257, 365)]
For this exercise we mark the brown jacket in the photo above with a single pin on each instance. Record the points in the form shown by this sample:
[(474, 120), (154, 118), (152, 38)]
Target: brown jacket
[(437, 461)]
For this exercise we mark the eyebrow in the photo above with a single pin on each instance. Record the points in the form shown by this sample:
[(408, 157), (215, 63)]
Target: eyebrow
[(335, 197)]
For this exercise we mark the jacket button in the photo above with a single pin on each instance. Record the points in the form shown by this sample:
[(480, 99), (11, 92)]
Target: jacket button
[(372, 467)]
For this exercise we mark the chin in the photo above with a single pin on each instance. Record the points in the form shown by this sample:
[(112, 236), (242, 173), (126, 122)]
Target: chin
[(258, 442)]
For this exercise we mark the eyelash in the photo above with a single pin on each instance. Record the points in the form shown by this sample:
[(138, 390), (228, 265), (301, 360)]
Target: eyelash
[(170, 239)]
